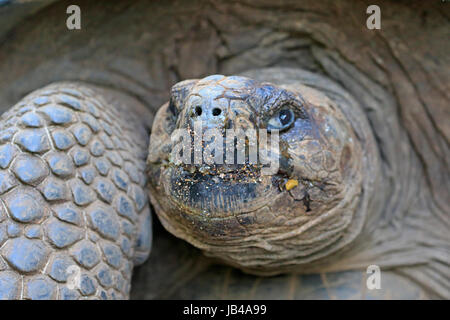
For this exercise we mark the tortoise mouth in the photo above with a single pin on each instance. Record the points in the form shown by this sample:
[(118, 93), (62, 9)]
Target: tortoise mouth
[(219, 192)]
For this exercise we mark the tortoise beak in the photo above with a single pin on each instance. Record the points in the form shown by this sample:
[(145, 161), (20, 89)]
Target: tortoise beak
[(219, 195)]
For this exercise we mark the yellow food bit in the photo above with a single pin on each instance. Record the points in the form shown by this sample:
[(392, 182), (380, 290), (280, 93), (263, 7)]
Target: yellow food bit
[(292, 183)]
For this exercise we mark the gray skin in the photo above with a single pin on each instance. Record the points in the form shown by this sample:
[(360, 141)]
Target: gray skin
[(235, 212), (74, 217), (330, 222), (397, 78), (73, 192)]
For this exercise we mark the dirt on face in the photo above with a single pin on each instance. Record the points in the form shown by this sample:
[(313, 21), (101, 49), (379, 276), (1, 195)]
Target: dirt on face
[(398, 77)]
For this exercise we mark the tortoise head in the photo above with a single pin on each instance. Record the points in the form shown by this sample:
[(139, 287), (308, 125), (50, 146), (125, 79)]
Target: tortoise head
[(258, 175)]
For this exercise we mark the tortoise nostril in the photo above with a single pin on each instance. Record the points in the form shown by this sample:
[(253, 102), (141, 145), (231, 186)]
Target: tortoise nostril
[(198, 111), (216, 112)]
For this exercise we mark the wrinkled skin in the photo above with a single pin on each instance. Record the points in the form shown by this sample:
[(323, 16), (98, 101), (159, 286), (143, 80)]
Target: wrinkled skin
[(72, 194), (228, 210), (391, 85)]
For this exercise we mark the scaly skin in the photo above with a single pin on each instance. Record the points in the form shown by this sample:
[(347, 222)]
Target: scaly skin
[(399, 77), (72, 192), (242, 217), (270, 230)]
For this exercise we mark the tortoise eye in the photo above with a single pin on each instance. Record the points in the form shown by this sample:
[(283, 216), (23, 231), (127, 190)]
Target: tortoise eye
[(281, 120)]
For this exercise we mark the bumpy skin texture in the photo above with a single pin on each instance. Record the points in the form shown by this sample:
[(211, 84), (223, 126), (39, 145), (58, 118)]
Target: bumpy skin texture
[(399, 76), (241, 216), (72, 194), (403, 248)]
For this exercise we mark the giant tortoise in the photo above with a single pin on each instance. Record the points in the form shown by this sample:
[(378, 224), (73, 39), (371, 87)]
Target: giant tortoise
[(90, 188)]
